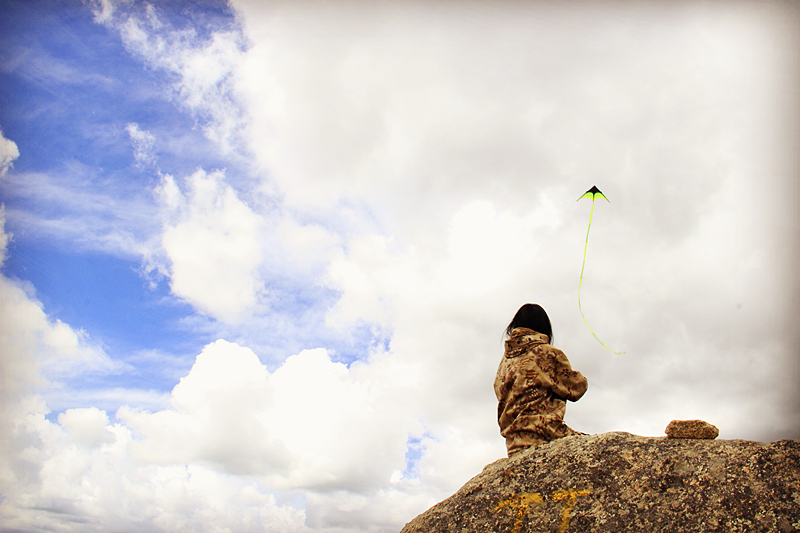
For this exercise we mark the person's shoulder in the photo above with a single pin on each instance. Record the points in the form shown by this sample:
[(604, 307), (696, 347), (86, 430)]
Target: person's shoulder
[(555, 352)]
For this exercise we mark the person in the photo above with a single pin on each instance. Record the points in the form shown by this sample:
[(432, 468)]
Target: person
[(533, 383)]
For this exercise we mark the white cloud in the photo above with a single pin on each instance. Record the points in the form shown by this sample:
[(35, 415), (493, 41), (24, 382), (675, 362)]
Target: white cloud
[(463, 145), (37, 350), (346, 433), (108, 399), (87, 426), (314, 428), (218, 251), (88, 484), (213, 242), (80, 472), (8, 153), (434, 158), (5, 238), (32, 343), (103, 10), (469, 140), (225, 394), (65, 205), (312, 424), (204, 68), (142, 144), (332, 436)]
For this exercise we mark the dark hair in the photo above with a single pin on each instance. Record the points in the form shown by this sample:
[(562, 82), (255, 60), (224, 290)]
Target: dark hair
[(532, 316)]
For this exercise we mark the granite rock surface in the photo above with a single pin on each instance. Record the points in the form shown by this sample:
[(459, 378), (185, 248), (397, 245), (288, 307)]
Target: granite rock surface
[(621, 482)]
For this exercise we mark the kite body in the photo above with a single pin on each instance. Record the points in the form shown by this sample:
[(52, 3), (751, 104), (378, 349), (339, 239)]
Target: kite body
[(593, 193)]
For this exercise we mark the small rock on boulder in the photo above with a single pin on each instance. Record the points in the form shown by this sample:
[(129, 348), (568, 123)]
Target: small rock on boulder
[(691, 429)]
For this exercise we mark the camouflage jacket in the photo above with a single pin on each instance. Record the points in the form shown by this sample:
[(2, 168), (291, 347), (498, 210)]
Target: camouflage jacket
[(533, 383)]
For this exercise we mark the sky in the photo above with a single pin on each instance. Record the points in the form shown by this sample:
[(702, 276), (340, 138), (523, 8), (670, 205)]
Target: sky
[(258, 257)]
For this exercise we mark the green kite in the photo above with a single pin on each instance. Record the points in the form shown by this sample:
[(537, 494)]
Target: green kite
[(593, 193)]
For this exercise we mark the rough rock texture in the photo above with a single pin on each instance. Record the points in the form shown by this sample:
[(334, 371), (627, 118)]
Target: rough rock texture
[(622, 482), (691, 429)]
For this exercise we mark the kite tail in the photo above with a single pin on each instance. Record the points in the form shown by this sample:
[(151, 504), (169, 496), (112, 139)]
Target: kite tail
[(585, 247)]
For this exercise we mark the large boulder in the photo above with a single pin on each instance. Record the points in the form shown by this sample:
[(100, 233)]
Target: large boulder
[(622, 482)]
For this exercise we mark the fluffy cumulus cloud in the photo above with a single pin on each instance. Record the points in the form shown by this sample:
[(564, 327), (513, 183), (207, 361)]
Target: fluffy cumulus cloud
[(312, 424), (212, 240), (317, 446), (33, 343), (218, 250), (41, 353), (423, 163), (80, 472)]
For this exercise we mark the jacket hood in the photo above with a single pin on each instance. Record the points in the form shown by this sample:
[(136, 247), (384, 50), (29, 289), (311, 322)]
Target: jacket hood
[(522, 339)]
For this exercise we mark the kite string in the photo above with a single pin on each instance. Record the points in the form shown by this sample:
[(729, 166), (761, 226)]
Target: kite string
[(580, 283)]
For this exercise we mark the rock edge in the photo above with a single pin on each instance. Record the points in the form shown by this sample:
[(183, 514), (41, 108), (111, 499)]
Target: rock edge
[(621, 482)]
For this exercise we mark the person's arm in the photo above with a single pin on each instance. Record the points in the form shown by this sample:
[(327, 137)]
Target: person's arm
[(567, 383)]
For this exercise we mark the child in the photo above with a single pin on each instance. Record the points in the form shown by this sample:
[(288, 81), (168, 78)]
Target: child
[(533, 383)]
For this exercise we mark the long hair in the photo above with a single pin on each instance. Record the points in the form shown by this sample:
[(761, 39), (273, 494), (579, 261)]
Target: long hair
[(532, 316)]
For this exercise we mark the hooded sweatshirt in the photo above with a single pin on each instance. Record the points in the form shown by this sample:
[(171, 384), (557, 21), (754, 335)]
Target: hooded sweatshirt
[(533, 383)]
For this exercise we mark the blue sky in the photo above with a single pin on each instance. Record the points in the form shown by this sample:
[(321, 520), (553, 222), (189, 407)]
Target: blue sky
[(70, 107), (259, 255)]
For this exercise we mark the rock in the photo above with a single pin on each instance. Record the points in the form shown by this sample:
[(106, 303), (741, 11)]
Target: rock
[(621, 482), (691, 429)]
